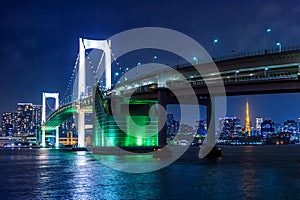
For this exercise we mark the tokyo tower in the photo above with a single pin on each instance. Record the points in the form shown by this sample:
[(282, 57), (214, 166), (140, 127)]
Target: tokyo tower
[(247, 119)]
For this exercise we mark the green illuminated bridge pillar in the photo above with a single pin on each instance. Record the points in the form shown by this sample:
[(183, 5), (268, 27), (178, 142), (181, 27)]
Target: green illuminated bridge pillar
[(118, 130)]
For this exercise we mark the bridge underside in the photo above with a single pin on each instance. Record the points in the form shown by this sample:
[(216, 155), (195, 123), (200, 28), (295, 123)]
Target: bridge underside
[(60, 117)]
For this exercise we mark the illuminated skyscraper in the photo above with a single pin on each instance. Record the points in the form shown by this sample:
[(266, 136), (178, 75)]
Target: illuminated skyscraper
[(258, 122), (247, 119), (172, 125), (24, 118), (267, 127), (36, 119), (8, 123), (28, 118), (201, 127), (229, 127)]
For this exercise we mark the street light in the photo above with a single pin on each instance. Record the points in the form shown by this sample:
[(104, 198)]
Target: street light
[(279, 46), (155, 57), (266, 72), (195, 59), (236, 75), (215, 42), (116, 74), (267, 34), (137, 66), (126, 70)]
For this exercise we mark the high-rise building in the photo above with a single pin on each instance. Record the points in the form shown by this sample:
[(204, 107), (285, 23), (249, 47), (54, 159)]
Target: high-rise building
[(290, 126), (258, 121), (201, 127), (172, 125), (248, 129), (8, 123), (24, 118), (25, 121), (67, 128), (36, 119), (267, 127), (278, 128), (229, 127)]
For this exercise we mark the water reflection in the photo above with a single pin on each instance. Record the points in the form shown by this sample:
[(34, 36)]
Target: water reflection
[(242, 173), (130, 163), (82, 180), (249, 182)]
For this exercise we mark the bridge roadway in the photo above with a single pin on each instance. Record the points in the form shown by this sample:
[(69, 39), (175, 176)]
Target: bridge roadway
[(260, 74), (67, 110)]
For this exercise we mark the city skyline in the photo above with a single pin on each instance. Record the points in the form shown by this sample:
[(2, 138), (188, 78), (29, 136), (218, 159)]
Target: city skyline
[(40, 40), (173, 109), (257, 104)]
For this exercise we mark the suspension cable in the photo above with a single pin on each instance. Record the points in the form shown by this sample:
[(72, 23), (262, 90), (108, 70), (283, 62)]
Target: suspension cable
[(51, 109), (71, 78)]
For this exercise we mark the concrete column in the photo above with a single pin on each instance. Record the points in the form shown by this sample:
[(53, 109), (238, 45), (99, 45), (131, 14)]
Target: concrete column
[(80, 129), (43, 136), (210, 115), (81, 93), (56, 137), (162, 134)]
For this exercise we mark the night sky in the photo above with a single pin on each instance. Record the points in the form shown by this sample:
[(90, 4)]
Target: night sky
[(39, 40)]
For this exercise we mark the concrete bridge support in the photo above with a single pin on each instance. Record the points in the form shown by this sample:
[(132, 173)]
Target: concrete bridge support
[(162, 98), (211, 122)]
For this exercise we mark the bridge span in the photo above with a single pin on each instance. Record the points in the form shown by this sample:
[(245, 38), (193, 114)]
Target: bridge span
[(266, 73)]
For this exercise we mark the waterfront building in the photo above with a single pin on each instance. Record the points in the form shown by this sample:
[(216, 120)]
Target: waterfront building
[(67, 129), (201, 127), (36, 118), (291, 126), (278, 128), (267, 127), (172, 125), (28, 119), (8, 123), (258, 121), (229, 127), (24, 118)]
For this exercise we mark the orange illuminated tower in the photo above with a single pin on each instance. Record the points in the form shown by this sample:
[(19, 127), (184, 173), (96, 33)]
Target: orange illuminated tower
[(247, 118)]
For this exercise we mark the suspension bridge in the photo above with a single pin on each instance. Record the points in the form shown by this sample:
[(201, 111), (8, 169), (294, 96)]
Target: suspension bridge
[(252, 73)]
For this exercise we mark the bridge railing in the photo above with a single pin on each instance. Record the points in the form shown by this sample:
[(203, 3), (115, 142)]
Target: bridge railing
[(237, 79), (257, 53), (71, 101), (245, 54)]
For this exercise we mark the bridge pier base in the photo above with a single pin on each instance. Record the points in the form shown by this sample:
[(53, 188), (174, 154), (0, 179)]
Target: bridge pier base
[(43, 136), (80, 129), (162, 101), (208, 148), (57, 137), (210, 115)]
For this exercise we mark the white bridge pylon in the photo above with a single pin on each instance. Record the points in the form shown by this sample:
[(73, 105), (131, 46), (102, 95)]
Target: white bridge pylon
[(85, 44), (45, 96)]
